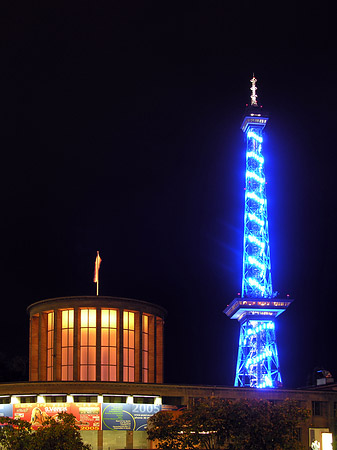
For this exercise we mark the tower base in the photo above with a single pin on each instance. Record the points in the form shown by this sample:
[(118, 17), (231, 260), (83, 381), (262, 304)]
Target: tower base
[(257, 364)]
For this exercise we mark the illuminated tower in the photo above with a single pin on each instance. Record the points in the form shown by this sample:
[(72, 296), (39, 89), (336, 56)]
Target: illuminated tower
[(256, 310)]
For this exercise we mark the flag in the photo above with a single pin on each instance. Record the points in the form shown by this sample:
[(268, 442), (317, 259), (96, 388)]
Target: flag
[(97, 264)]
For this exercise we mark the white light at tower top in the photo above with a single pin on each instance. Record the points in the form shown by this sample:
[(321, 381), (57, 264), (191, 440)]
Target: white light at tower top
[(253, 89)]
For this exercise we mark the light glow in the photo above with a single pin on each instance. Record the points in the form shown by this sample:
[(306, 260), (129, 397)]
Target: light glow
[(145, 350), (50, 346), (257, 363), (256, 263), (88, 345), (258, 359), (256, 219), (108, 345), (253, 196), (261, 327), (128, 346), (326, 441), (256, 233), (255, 240), (254, 155), (255, 177), (253, 89), (256, 284), (255, 136), (67, 345), (266, 383)]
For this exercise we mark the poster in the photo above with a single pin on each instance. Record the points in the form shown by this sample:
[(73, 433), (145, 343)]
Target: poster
[(125, 416), (6, 410), (87, 415)]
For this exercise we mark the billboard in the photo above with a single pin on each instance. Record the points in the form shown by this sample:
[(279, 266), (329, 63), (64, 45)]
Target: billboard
[(87, 415), (6, 410), (125, 416)]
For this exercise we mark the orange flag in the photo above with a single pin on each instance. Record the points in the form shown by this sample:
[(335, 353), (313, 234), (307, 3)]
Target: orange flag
[(97, 265)]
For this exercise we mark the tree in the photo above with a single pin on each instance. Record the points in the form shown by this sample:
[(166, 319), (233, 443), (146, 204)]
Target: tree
[(264, 425), (210, 423), (15, 434), (60, 434), (217, 423), (166, 428)]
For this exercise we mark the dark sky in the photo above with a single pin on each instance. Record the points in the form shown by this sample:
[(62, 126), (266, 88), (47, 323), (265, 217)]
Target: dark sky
[(120, 132)]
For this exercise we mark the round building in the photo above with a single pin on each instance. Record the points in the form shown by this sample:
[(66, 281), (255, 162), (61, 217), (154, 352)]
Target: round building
[(96, 338)]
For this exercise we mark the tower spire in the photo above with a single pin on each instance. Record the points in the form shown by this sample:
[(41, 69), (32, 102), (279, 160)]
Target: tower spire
[(256, 310), (253, 88)]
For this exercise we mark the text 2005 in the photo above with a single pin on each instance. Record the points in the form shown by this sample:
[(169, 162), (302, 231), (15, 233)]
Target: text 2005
[(142, 408)]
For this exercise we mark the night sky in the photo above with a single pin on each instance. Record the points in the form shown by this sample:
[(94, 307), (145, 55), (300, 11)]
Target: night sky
[(120, 132)]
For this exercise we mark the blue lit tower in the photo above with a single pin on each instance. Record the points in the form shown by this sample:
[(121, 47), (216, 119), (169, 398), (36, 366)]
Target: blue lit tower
[(257, 363)]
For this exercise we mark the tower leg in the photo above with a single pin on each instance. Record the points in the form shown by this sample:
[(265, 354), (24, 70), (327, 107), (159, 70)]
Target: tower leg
[(257, 364)]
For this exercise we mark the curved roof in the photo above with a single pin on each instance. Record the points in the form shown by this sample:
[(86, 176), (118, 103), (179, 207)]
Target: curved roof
[(96, 301)]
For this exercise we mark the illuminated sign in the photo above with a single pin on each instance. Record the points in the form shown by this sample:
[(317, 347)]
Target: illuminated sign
[(6, 410), (125, 416), (87, 415)]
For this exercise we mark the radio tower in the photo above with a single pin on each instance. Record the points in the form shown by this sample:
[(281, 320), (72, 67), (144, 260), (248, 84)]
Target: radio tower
[(256, 310)]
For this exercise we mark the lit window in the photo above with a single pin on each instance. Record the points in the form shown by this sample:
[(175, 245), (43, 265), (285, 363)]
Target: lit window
[(67, 345), (145, 351), (85, 399), (109, 345), (50, 345), (128, 346), (159, 350), (56, 398), (88, 345), (28, 399)]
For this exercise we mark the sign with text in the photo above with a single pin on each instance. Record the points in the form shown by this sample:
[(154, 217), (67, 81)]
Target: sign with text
[(124, 416), (87, 415)]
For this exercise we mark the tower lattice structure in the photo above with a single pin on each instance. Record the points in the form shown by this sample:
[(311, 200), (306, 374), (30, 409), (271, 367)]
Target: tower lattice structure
[(256, 310)]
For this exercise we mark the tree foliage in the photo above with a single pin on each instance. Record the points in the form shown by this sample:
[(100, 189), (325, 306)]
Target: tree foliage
[(217, 423), (167, 428), (56, 434), (15, 434)]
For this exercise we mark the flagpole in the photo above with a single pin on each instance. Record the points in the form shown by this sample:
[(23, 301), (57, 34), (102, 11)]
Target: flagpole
[(97, 274)]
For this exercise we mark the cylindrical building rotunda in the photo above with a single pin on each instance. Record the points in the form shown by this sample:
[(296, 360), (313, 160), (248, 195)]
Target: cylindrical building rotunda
[(96, 338)]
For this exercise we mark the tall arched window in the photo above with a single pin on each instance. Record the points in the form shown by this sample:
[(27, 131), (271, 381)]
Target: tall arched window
[(145, 349), (128, 346), (88, 345), (50, 345), (67, 345), (109, 345)]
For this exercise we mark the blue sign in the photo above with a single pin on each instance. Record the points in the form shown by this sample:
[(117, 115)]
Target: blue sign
[(6, 410), (125, 416)]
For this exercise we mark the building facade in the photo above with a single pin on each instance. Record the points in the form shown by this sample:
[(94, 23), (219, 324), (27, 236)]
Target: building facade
[(101, 359), (96, 339)]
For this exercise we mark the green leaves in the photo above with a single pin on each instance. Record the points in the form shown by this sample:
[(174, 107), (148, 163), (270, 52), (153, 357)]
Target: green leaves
[(60, 434), (214, 423)]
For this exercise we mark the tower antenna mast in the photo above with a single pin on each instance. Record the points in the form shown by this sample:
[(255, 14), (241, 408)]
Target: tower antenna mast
[(253, 88)]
